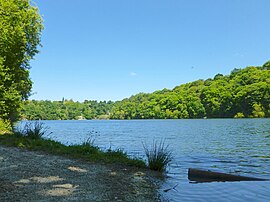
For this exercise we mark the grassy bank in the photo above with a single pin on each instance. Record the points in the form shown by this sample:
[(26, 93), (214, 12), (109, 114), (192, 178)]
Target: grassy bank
[(31, 137), (86, 151)]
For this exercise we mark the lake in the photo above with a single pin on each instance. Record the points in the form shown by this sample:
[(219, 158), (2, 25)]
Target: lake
[(236, 146)]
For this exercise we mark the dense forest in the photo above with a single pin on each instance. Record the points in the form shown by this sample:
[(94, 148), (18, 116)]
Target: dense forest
[(65, 110), (243, 93)]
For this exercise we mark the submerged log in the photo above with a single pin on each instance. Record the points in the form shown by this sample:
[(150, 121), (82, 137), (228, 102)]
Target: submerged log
[(197, 175)]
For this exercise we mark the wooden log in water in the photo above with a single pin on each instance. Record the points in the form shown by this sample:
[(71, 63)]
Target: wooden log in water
[(197, 175)]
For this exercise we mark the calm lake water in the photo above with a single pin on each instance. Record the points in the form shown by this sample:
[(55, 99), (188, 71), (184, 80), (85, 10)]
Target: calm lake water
[(236, 146)]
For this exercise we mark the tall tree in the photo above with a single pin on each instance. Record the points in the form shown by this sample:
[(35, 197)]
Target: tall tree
[(20, 33)]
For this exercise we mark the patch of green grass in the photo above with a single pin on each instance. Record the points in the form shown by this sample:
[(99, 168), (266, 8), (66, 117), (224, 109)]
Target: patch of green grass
[(87, 151), (120, 156), (158, 156)]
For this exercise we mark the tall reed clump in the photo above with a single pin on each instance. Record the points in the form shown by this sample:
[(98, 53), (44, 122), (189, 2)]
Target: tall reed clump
[(158, 155), (89, 142), (33, 130)]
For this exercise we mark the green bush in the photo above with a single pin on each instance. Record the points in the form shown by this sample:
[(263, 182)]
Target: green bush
[(239, 115), (5, 127)]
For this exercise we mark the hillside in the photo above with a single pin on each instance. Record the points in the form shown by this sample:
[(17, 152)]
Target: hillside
[(243, 93)]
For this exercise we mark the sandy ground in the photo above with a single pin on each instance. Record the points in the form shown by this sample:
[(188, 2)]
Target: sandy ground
[(35, 176)]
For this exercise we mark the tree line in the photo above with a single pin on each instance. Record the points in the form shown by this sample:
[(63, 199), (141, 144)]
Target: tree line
[(65, 110), (243, 93)]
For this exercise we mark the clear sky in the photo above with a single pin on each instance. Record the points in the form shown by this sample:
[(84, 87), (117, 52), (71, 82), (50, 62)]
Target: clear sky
[(112, 49)]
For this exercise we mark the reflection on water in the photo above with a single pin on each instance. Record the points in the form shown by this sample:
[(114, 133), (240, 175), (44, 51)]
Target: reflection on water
[(226, 145)]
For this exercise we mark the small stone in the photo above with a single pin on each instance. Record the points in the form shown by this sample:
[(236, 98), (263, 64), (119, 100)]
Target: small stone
[(113, 173)]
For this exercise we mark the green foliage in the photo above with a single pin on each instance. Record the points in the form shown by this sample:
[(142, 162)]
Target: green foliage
[(266, 65), (239, 115), (33, 130), (158, 156), (5, 127), (244, 90), (65, 110), (258, 111), (20, 29)]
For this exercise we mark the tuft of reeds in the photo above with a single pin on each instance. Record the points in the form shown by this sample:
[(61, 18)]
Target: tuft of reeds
[(89, 142), (158, 155), (33, 130)]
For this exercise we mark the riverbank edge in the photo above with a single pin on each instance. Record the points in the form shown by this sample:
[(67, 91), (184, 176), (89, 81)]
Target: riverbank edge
[(151, 179), (86, 151)]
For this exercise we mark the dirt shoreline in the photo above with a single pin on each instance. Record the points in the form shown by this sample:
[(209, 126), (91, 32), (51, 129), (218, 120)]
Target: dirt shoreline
[(36, 176)]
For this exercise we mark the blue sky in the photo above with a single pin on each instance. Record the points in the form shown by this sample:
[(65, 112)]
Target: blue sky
[(112, 49)]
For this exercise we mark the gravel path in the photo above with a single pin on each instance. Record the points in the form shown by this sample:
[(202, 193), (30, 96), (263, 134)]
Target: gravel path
[(35, 176)]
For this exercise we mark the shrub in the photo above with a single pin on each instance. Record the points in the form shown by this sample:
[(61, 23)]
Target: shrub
[(158, 156), (5, 127), (239, 115), (33, 130)]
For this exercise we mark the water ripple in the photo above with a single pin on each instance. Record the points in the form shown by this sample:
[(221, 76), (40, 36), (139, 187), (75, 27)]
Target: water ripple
[(224, 145)]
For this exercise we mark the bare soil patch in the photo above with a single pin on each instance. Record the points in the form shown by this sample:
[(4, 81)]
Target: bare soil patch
[(36, 176)]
